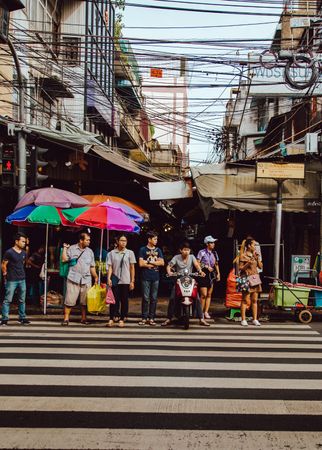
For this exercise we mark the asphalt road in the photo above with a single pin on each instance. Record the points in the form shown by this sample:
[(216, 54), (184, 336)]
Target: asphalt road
[(139, 388)]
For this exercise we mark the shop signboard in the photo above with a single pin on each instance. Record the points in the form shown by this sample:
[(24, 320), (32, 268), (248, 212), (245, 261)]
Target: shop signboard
[(170, 190), (270, 82), (300, 267), (280, 171)]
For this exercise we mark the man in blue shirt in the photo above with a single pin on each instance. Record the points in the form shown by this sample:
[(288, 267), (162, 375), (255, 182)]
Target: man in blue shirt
[(14, 275), (150, 260)]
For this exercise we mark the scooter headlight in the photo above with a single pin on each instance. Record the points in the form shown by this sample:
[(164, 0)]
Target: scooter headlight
[(187, 282)]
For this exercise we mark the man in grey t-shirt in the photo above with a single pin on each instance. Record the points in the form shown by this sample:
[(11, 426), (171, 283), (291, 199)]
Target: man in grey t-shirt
[(180, 263), (120, 276)]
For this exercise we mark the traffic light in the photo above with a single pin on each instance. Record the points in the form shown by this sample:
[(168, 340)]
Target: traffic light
[(37, 165), (8, 154)]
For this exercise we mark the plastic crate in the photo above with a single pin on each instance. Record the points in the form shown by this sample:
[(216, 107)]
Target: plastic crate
[(318, 298), (284, 296)]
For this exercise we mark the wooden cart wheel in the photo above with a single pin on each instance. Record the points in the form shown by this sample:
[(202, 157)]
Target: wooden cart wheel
[(305, 316)]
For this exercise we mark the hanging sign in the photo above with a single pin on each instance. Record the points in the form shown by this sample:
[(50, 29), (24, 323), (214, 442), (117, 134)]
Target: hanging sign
[(156, 73), (280, 171)]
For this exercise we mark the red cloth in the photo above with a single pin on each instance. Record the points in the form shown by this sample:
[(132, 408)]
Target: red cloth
[(233, 298)]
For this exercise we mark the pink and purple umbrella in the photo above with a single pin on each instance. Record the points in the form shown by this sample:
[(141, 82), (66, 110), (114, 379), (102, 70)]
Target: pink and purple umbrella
[(51, 196)]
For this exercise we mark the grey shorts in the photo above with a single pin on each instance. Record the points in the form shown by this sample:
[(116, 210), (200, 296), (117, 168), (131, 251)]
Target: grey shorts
[(75, 290)]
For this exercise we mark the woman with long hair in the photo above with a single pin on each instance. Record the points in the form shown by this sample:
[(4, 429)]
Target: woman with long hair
[(248, 265)]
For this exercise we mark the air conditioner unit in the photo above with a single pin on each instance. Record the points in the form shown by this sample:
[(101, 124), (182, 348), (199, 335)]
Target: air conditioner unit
[(311, 142)]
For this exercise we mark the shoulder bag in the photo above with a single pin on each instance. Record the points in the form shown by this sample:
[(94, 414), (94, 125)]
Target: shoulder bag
[(114, 278), (254, 280)]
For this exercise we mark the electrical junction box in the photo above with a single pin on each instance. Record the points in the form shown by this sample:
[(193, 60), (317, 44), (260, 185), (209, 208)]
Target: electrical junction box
[(311, 143)]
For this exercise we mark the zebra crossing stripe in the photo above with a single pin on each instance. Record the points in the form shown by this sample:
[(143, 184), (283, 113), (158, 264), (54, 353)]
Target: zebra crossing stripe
[(146, 439), (173, 365), (143, 381), (168, 405)]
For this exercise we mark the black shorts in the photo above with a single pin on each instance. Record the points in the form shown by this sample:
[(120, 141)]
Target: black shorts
[(207, 281)]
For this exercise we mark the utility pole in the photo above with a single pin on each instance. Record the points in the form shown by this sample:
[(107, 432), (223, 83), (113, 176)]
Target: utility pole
[(22, 159), (278, 228), (6, 6)]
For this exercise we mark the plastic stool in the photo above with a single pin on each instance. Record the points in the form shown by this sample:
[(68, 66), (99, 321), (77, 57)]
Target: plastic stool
[(233, 312)]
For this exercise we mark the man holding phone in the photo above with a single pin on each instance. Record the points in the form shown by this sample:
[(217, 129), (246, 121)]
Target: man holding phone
[(79, 279)]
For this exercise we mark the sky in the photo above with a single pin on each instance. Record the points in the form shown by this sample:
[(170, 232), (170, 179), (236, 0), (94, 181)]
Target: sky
[(206, 104)]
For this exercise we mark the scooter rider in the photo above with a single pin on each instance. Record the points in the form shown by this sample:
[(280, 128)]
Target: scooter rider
[(179, 263)]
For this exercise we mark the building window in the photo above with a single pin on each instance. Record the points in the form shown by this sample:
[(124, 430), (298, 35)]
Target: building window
[(99, 44), (71, 50), (40, 15)]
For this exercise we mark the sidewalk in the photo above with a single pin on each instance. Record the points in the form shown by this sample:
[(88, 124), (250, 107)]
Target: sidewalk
[(217, 308)]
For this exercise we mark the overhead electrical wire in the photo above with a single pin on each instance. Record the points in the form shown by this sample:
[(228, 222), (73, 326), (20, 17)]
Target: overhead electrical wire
[(176, 42)]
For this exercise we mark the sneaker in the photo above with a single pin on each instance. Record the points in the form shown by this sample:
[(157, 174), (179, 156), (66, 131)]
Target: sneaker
[(110, 323), (244, 323), (142, 322), (121, 324), (24, 322), (4, 323), (256, 323), (203, 323), (207, 315)]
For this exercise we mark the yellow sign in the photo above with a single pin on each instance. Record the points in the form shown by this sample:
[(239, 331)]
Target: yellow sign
[(280, 171)]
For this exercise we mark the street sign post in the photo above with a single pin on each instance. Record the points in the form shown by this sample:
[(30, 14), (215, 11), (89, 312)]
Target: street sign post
[(279, 172)]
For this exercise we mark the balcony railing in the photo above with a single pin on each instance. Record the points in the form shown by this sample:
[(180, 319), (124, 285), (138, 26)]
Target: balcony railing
[(132, 129)]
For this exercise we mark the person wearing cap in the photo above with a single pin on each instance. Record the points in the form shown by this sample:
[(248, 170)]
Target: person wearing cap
[(209, 261)]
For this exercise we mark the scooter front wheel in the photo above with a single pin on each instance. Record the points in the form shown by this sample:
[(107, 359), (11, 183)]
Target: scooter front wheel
[(186, 317)]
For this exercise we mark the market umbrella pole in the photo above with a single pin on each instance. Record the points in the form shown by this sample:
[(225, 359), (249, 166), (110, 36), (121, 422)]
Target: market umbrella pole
[(46, 270), (100, 264)]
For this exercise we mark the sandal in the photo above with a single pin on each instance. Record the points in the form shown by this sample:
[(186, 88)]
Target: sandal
[(152, 323), (65, 323), (84, 322), (110, 323), (121, 323), (166, 323)]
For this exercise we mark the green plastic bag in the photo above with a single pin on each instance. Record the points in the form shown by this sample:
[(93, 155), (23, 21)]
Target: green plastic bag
[(63, 266), (96, 300)]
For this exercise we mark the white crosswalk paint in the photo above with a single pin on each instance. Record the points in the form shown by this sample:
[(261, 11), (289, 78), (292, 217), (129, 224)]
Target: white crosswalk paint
[(182, 353), (286, 343), (184, 365), (124, 439), (314, 340), (168, 405), (167, 382)]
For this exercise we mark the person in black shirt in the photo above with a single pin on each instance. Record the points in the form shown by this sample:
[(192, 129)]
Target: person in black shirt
[(34, 282), (13, 271)]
